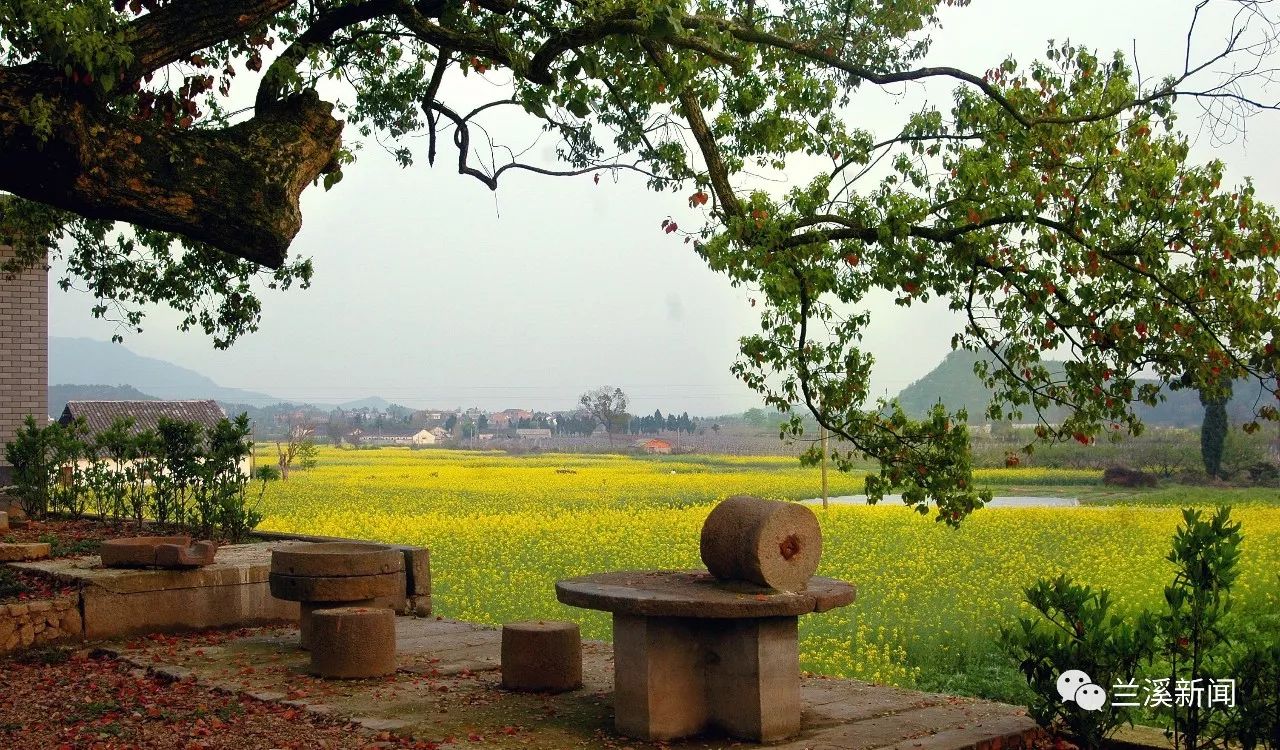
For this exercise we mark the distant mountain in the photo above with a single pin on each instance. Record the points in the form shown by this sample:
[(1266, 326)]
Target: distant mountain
[(373, 403), (954, 383), (59, 395), (79, 360)]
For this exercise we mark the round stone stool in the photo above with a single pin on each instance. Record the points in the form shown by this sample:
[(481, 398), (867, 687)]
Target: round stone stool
[(353, 642), (542, 655)]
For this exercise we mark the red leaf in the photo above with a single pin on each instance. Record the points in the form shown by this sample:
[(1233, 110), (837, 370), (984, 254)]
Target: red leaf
[(669, 227)]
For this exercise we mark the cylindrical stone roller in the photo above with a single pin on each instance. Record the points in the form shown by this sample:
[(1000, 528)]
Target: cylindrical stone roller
[(766, 542)]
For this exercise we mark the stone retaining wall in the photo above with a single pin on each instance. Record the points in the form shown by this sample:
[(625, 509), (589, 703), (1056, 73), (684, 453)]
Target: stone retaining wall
[(38, 623)]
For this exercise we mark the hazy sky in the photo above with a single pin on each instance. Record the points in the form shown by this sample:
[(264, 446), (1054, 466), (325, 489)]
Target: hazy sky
[(432, 291)]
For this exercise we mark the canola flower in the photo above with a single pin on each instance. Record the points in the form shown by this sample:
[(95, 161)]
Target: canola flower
[(931, 599)]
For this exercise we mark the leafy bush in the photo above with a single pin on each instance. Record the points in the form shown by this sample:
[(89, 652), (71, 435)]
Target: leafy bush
[(1193, 641), (175, 474), (1121, 476), (1076, 629), (33, 464)]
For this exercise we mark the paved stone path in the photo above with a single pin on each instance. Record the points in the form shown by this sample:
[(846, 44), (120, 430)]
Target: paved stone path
[(447, 690)]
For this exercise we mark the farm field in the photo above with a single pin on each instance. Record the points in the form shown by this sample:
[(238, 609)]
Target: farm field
[(503, 528)]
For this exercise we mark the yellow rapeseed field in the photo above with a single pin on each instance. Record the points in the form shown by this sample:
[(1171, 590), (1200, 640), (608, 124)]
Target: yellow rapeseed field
[(502, 529)]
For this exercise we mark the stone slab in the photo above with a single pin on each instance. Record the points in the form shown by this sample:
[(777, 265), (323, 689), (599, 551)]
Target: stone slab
[(338, 559), (232, 592), (234, 565), (432, 704), (21, 551), (693, 593)]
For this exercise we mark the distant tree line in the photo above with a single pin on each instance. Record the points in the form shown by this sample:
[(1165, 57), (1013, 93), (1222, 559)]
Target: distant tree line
[(655, 423)]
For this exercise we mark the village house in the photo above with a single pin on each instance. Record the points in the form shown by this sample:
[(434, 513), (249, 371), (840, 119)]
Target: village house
[(99, 416), (502, 420), (390, 436), (653, 445)]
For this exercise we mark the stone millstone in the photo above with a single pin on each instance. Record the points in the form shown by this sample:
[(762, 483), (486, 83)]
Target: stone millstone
[(541, 656), (765, 542), (348, 589), (353, 642), (337, 559)]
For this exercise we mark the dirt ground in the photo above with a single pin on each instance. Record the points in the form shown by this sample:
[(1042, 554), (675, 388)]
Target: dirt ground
[(58, 699)]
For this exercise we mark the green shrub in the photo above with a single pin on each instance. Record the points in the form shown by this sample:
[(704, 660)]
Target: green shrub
[(1192, 641)]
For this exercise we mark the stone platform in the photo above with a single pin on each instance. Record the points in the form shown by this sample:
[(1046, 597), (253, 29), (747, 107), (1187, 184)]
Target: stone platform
[(231, 592), (447, 690)]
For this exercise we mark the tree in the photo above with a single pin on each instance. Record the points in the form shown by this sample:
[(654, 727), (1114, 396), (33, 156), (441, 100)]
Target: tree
[(1213, 431), (606, 406), (338, 426), (1052, 204), (297, 442)]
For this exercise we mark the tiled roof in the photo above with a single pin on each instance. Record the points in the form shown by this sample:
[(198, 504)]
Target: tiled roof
[(146, 414)]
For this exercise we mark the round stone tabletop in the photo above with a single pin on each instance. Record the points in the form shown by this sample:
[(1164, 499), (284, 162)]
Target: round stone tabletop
[(696, 593)]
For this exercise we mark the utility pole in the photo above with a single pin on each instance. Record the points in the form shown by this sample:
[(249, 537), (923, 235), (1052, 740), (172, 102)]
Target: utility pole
[(823, 432)]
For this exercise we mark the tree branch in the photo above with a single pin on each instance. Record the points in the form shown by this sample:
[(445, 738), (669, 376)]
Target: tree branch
[(235, 188), (175, 31)]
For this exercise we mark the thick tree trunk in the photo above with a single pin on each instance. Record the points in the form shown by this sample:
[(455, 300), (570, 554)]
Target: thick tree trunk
[(235, 188)]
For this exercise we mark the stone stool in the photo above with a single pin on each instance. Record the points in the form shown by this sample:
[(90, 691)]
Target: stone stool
[(353, 642), (541, 656)]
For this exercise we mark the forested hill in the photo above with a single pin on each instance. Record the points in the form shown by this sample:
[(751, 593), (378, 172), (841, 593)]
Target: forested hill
[(954, 383), (59, 395)]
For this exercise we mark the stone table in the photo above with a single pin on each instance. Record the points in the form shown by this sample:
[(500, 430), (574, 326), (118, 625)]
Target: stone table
[(692, 652)]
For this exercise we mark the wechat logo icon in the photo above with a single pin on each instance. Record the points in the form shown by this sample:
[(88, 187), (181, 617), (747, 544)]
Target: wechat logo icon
[(1075, 685)]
